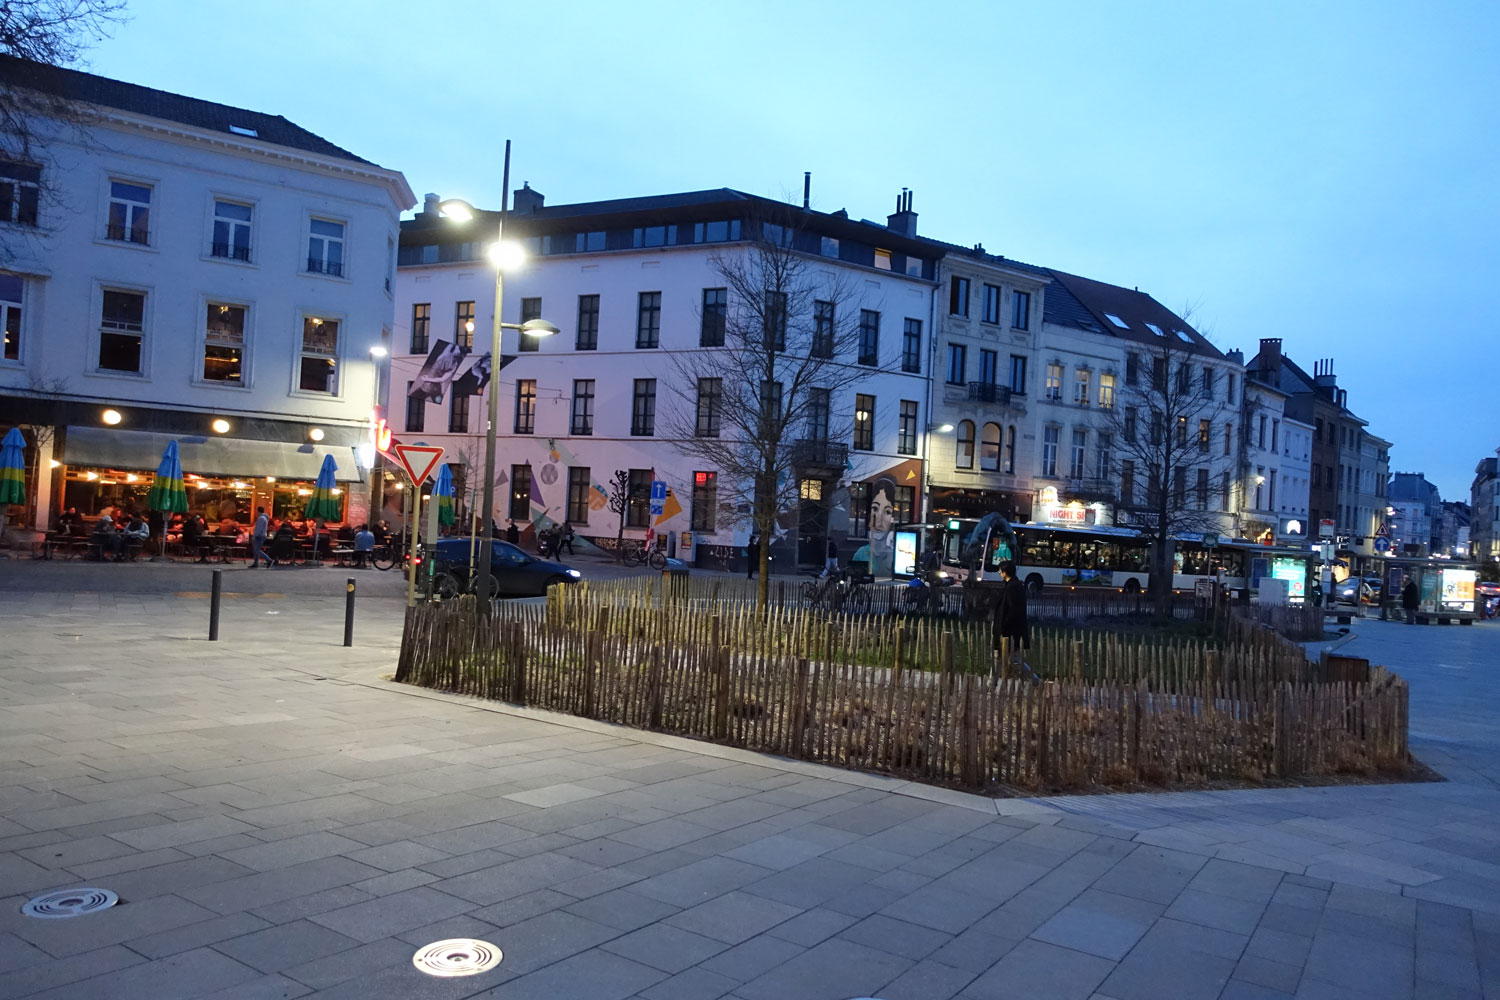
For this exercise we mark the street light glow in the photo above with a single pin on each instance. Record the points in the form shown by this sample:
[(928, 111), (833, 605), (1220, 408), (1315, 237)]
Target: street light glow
[(112, 417), (538, 328), (457, 210), (507, 256), (378, 351), (221, 426)]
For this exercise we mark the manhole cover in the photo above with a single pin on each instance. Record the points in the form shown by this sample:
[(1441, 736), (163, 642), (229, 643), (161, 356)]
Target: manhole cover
[(70, 903), (457, 957)]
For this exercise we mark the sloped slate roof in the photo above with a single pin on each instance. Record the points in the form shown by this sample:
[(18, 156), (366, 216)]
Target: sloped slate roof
[(86, 88), (1099, 300)]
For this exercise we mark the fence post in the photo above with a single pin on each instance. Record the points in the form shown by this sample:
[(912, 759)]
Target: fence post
[(968, 747), (799, 712), (1283, 729), (721, 692), (900, 651), (654, 688), (349, 612), (517, 664), (1043, 741), (947, 656)]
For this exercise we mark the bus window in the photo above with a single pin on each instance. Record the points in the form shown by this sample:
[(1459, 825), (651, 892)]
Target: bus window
[(1108, 555), (1232, 562), (1036, 549)]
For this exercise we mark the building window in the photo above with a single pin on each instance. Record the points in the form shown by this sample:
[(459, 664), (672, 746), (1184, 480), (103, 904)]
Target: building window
[(1275, 430), (1081, 380), (1080, 446), (1208, 382), (1204, 432), (1132, 368), (869, 337), (1260, 441), (1179, 486), (463, 325), (1051, 437), (1228, 438), (989, 448), (911, 346), (318, 371), (648, 320), (819, 412), (421, 323), (1184, 379), (1229, 388), (991, 312), (1127, 482), (579, 494), (1103, 457), (864, 423), (1271, 492), (224, 344), (638, 513), (1106, 391), (705, 501), (829, 247), (770, 406), (458, 413), (1129, 428), (958, 296), (906, 437), (416, 411), (1010, 449), (588, 324), (654, 236), (1021, 315), (231, 231), (129, 212), (1223, 491), (325, 247), (1054, 381), (883, 259), (774, 338), (989, 367), (1260, 485), (859, 510), (121, 331), (20, 184), (822, 340), (520, 493), (643, 408), (11, 288), (526, 406), (1182, 431), (715, 317), (958, 363), (963, 456), (583, 406), (1203, 489), (530, 309), (710, 395)]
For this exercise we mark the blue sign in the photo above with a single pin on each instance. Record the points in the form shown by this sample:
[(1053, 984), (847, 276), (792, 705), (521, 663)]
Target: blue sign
[(658, 497), (1382, 545)]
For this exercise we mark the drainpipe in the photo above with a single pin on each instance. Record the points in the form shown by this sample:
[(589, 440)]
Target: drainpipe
[(929, 421)]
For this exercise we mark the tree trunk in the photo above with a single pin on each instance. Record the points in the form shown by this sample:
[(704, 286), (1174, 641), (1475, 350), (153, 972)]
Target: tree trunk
[(620, 539)]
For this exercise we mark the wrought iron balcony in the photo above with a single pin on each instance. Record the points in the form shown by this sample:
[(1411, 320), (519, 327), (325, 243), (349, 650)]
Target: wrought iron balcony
[(128, 234), (231, 251), (316, 265), (989, 392), (820, 454)]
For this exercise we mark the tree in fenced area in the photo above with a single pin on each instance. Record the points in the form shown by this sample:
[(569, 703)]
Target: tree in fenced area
[(1164, 426), (782, 347)]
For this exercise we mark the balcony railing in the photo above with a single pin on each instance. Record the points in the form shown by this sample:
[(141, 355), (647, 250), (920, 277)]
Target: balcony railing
[(128, 234), (1085, 488), (826, 454), (989, 392), (334, 268), (231, 251)]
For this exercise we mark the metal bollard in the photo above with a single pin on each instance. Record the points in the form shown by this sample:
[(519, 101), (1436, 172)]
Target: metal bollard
[(349, 613), (213, 606)]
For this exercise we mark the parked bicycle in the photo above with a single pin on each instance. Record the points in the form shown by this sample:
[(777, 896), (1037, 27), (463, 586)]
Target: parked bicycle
[(635, 553), (837, 592)]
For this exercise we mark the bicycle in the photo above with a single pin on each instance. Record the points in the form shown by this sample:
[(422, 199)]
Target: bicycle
[(383, 557), (636, 554)]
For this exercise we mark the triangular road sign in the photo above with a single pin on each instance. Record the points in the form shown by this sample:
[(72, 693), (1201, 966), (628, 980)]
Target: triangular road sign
[(418, 460)]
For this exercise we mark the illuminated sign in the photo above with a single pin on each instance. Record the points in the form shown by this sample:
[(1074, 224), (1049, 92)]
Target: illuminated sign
[(905, 563), (1072, 514), (1458, 589), (1294, 572), (1049, 496), (1292, 527)]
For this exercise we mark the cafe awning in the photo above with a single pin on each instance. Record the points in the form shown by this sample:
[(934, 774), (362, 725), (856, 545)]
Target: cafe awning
[(216, 456)]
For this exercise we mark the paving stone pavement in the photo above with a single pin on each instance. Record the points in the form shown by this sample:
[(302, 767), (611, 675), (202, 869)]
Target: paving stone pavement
[(280, 821)]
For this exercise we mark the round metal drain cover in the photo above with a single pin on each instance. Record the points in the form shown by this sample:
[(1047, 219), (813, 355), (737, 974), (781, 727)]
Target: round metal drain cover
[(457, 957), (70, 903)]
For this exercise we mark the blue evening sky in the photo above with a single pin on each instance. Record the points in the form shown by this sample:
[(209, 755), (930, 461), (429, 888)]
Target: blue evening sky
[(1321, 172)]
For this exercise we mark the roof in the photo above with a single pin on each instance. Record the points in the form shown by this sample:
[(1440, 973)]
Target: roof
[(246, 126), (1127, 313)]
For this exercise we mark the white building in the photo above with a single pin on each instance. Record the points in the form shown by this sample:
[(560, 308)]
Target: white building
[(1484, 510), (181, 270), (1296, 472), (1262, 481), (633, 287)]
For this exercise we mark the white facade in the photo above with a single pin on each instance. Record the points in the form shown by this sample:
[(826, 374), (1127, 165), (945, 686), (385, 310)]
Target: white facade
[(128, 304), (569, 469), (1410, 525), (1296, 468), (1262, 483)]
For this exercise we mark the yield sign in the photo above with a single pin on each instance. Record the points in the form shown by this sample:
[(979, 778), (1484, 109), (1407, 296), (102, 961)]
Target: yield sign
[(418, 460)]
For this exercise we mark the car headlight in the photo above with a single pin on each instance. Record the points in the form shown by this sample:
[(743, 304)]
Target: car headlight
[(574, 574)]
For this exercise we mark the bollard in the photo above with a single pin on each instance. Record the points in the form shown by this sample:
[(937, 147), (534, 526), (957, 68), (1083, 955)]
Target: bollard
[(213, 606), (349, 612)]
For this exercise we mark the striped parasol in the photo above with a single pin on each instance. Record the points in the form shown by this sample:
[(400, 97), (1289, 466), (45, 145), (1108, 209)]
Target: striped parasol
[(12, 473), (442, 495), (168, 495), (323, 503)]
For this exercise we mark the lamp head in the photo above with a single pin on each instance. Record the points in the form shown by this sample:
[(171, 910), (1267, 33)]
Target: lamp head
[(378, 351), (941, 428), (505, 255), (456, 210), (538, 328)]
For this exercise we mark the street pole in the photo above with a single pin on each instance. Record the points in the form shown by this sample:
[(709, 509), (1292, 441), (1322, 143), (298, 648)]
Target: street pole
[(487, 510), (411, 562)]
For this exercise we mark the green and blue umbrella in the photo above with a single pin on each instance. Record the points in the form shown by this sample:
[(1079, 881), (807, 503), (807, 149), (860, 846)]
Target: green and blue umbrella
[(323, 503), (168, 495), (442, 494), (12, 473)]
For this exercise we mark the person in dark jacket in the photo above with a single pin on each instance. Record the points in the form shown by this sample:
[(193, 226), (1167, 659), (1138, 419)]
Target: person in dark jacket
[(752, 554), (1010, 619), (1410, 600), (513, 534)]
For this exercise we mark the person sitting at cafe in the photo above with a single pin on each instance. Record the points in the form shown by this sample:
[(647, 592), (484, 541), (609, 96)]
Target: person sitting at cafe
[(106, 538), (193, 531), (136, 534), (228, 526), (382, 533), (67, 519), (364, 545), (174, 528)]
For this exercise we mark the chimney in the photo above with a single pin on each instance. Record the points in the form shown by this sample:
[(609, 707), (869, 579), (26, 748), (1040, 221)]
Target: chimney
[(1237, 356), (1270, 360), (430, 204), (525, 201), (903, 220), (806, 189), (1324, 377)]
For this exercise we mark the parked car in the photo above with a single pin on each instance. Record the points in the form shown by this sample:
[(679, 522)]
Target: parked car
[(1352, 588), (515, 573)]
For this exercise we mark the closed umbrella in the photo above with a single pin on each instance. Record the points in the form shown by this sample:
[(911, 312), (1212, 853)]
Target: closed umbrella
[(168, 495), (12, 473), (442, 494), (323, 504)]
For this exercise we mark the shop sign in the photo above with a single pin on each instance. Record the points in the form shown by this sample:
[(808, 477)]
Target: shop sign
[(1291, 528), (1067, 514), (1458, 589)]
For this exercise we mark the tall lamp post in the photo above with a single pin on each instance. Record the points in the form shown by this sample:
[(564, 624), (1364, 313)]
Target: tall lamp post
[(502, 255), (378, 354)]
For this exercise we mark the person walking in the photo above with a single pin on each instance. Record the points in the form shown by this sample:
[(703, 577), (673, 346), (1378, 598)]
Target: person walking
[(752, 553), (831, 557), (1010, 623), (1410, 600), (258, 539), (513, 534), (567, 540)]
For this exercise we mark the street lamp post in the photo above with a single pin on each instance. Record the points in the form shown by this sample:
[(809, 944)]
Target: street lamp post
[(501, 256)]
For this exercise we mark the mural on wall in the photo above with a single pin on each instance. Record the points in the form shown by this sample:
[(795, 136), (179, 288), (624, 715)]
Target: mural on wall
[(450, 367), (888, 491)]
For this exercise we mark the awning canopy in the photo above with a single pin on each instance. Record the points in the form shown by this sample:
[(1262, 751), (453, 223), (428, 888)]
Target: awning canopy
[(217, 456)]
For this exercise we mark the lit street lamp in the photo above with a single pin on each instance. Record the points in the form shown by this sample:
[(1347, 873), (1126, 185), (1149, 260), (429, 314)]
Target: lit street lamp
[(502, 255)]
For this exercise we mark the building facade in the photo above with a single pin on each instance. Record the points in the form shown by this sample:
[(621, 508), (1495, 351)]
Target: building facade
[(1416, 524), (1484, 510), (180, 270)]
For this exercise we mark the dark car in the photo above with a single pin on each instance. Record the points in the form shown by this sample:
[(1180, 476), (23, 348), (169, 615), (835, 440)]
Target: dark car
[(515, 573), (1347, 591)]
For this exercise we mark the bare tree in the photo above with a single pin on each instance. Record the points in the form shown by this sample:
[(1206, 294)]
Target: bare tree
[(761, 396), (41, 432), (1165, 426), (621, 499)]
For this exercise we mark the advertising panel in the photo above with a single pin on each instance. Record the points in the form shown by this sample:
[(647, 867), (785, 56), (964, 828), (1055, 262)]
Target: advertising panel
[(1458, 589), (906, 553), (1291, 529), (1294, 572)]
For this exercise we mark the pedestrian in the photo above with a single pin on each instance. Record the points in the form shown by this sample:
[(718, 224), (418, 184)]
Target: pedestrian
[(752, 555), (1010, 622), (1410, 600), (364, 546), (831, 557), (513, 534), (258, 539), (567, 540)]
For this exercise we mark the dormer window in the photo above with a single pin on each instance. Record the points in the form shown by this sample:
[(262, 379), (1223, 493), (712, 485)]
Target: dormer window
[(242, 130), (1117, 321), (1150, 326), (1183, 336)]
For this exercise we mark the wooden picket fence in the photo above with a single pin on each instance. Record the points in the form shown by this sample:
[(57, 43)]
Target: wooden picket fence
[(1103, 710)]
